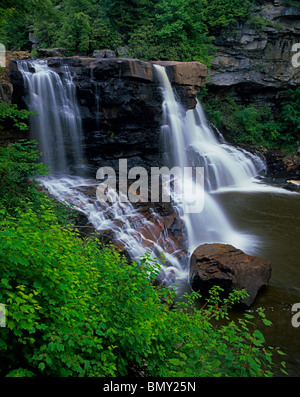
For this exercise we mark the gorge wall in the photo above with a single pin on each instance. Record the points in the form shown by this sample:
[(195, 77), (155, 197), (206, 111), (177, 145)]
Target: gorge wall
[(121, 104), (254, 63)]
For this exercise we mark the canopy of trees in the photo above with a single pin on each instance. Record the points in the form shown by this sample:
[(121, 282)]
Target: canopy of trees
[(152, 29)]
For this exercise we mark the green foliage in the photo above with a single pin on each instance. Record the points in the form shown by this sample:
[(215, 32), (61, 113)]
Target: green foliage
[(18, 168), (12, 117), (258, 127), (175, 29), (17, 17), (223, 13), (77, 310), (290, 118)]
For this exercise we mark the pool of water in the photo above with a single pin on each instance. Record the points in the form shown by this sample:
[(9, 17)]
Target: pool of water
[(272, 221)]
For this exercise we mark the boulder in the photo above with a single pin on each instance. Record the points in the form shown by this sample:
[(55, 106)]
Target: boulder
[(105, 53), (230, 268), (122, 52), (51, 52)]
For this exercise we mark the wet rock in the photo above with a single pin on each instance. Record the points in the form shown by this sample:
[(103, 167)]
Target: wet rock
[(281, 165), (120, 101), (230, 268), (185, 73)]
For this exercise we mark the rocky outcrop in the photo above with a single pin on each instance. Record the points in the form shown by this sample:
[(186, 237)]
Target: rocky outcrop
[(120, 102), (281, 165), (255, 62), (51, 52), (230, 268), (6, 87)]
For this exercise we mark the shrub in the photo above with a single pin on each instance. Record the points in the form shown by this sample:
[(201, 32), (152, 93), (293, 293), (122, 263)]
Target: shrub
[(246, 124), (12, 117), (18, 168), (74, 309)]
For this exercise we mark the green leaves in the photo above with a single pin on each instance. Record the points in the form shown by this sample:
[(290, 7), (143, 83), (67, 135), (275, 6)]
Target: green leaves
[(77, 309), (12, 117), (258, 127)]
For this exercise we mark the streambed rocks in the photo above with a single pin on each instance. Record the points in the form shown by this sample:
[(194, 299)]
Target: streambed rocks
[(229, 268)]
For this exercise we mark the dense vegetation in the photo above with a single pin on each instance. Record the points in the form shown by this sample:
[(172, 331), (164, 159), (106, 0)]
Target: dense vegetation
[(153, 29), (246, 124), (165, 29), (78, 308)]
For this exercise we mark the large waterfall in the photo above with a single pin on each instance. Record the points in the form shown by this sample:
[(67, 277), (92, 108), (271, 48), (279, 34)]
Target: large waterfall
[(188, 142)]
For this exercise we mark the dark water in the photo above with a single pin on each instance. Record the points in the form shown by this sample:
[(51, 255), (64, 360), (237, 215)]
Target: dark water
[(273, 221)]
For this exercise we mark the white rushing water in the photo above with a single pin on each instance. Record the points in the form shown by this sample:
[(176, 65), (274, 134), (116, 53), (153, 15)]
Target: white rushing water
[(189, 141), (58, 126), (58, 131)]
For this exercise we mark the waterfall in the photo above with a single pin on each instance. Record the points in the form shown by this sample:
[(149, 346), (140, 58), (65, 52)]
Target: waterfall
[(58, 132), (189, 141), (58, 126), (225, 166)]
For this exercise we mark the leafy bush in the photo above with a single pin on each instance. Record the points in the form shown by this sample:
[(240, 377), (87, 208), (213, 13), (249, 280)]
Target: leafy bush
[(74, 309), (290, 118), (18, 168), (12, 117), (223, 13), (247, 124)]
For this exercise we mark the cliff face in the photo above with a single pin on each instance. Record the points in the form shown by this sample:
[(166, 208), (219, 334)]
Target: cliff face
[(120, 102), (255, 62)]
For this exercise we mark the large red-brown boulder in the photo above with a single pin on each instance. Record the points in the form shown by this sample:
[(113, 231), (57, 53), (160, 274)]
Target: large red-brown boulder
[(230, 268)]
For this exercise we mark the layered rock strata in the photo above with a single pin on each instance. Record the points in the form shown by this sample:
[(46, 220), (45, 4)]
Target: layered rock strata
[(120, 101), (255, 61)]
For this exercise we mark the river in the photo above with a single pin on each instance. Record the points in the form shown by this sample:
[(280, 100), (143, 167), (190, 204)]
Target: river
[(274, 220)]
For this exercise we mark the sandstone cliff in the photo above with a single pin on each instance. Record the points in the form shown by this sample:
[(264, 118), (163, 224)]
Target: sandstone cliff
[(120, 102), (255, 61)]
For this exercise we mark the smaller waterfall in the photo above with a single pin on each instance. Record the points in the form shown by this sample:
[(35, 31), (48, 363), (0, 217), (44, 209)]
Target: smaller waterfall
[(58, 126), (224, 165)]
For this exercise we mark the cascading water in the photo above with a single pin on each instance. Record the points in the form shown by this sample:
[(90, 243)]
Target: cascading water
[(58, 126), (190, 142), (224, 165), (58, 131)]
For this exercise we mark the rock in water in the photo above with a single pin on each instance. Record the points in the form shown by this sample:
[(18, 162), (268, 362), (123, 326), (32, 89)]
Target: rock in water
[(230, 268)]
